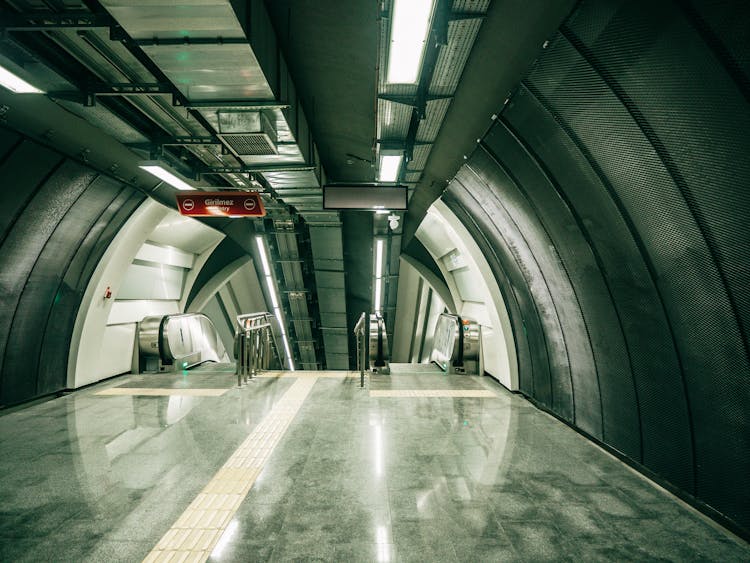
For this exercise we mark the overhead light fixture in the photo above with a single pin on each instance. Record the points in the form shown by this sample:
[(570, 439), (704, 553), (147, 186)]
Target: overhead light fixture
[(379, 244), (165, 175), (410, 24), (390, 165), (16, 84), (274, 299)]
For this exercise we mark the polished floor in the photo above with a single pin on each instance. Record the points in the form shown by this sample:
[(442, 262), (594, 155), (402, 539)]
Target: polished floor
[(418, 466)]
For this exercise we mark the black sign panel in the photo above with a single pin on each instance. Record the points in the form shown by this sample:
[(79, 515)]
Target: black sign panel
[(365, 197)]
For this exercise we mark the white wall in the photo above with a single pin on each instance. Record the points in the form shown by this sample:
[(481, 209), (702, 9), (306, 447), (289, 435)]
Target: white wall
[(403, 334), (92, 356), (148, 267), (473, 287)]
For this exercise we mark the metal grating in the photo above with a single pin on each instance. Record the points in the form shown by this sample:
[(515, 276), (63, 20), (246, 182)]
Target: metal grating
[(393, 122), (452, 57), (252, 144), (420, 157), (429, 127), (474, 6)]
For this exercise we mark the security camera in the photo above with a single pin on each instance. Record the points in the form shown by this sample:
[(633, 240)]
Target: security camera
[(393, 221)]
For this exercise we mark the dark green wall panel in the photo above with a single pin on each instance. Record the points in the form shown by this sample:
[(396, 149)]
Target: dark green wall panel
[(614, 186), (58, 217)]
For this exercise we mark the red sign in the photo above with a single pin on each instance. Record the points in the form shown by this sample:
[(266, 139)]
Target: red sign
[(221, 204)]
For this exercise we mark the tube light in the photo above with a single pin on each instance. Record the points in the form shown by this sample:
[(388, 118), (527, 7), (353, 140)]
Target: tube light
[(290, 363), (379, 258), (274, 300), (16, 84), (390, 166), (379, 244), (378, 294), (410, 25), (165, 175), (277, 312), (263, 257)]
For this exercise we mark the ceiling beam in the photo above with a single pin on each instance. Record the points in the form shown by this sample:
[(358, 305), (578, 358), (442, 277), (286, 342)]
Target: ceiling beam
[(45, 21)]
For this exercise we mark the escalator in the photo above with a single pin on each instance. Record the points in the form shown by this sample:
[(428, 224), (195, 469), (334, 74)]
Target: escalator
[(177, 342)]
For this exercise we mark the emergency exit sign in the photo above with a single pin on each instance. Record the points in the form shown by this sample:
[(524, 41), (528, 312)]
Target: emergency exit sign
[(221, 204)]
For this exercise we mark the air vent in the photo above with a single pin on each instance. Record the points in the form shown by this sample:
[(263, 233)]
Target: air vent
[(248, 133), (253, 144)]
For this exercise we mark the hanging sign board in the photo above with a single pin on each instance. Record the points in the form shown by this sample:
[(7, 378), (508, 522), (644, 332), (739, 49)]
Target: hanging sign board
[(365, 197), (220, 204)]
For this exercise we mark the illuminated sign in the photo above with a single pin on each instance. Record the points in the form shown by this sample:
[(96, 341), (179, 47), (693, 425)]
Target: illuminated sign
[(221, 204)]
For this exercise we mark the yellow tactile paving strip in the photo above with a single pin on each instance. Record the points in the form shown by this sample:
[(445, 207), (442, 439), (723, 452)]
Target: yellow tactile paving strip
[(161, 392), (432, 393), (308, 374), (197, 531)]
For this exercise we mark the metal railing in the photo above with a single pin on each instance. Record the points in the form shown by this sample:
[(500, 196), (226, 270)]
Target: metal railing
[(252, 345), (360, 330)]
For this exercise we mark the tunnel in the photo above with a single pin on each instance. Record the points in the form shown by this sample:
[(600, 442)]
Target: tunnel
[(576, 183)]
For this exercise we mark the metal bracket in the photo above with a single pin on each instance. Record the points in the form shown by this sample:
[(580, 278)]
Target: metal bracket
[(462, 16), (399, 143), (260, 168), (88, 96), (412, 100), (237, 104), (157, 144), (167, 41), (44, 20)]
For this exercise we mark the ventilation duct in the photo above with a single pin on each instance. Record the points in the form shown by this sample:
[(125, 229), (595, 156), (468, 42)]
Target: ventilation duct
[(247, 133)]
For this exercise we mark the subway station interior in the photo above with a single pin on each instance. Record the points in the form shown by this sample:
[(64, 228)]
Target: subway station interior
[(374, 280)]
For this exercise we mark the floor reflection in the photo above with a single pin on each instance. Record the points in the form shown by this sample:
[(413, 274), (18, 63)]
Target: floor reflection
[(94, 478)]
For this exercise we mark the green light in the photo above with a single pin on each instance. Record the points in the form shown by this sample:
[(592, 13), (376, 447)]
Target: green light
[(466, 422), (184, 364)]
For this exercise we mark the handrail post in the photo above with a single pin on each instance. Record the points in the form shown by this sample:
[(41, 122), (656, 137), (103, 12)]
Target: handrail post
[(246, 365), (239, 347), (359, 333)]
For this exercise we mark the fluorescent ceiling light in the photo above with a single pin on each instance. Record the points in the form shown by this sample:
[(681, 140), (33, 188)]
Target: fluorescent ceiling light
[(390, 166), (290, 363), (15, 83), (378, 275), (272, 291), (274, 300), (379, 258), (378, 294), (381, 211), (410, 24), (165, 175), (277, 312), (263, 256)]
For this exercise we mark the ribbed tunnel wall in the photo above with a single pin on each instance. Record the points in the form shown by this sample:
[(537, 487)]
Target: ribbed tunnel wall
[(612, 198), (57, 218)]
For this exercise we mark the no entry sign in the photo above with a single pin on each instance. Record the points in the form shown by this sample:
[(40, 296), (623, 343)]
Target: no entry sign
[(221, 204)]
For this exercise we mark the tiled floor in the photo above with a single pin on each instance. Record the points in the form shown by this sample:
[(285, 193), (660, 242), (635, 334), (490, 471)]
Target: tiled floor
[(339, 476)]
